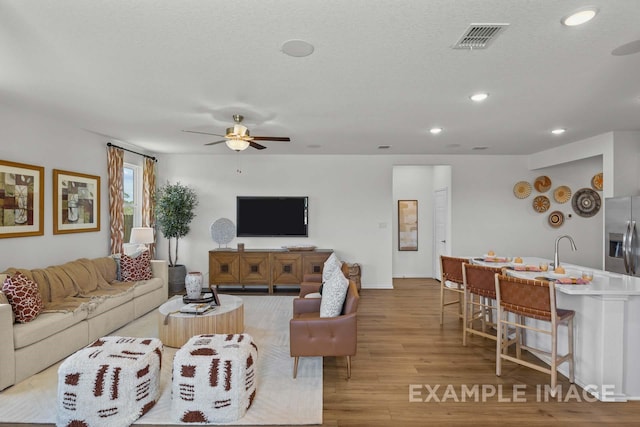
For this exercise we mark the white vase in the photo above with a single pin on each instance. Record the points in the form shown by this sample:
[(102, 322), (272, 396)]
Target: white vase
[(193, 284)]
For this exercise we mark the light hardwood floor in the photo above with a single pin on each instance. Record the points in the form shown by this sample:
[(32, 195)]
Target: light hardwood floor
[(400, 343)]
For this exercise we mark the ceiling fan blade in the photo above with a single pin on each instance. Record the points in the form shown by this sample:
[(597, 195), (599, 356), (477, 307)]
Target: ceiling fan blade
[(271, 138), (215, 142), (256, 145), (202, 133)]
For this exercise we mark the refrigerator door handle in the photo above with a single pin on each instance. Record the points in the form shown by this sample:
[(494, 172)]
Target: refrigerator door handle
[(632, 246), (625, 245)]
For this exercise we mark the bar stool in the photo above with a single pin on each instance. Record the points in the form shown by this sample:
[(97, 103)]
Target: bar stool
[(533, 299), (479, 299), (451, 273)]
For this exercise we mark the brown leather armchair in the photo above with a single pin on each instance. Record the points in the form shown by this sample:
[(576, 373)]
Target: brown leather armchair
[(311, 335)]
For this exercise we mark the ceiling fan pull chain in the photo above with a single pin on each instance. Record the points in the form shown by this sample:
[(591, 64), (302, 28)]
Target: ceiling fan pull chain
[(238, 168)]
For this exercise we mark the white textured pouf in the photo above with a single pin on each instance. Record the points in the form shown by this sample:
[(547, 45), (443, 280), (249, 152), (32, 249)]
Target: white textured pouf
[(214, 378), (112, 382)]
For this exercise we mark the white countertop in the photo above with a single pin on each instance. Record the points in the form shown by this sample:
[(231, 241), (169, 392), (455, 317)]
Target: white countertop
[(604, 282)]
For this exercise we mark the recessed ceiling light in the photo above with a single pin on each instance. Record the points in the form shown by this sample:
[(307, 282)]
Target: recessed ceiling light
[(580, 17), (558, 131), (435, 130), (479, 97), (297, 48)]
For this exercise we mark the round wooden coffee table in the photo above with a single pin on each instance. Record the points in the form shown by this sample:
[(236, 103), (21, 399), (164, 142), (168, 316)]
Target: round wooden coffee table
[(228, 318)]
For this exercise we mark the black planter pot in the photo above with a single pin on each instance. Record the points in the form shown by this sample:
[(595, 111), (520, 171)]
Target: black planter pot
[(176, 279)]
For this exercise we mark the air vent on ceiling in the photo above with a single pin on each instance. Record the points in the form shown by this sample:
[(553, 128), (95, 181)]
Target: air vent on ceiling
[(479, 36), (383, 147)]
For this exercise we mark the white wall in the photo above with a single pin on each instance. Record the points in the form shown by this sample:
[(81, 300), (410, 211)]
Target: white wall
[(349, 203), (34, 139), (352, 205), (414, 183)]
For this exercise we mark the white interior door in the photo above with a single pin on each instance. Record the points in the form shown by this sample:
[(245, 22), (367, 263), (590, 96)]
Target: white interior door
[(440, 226)]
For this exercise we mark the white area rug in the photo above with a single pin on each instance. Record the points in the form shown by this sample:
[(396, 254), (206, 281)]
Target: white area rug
[(280, 399)]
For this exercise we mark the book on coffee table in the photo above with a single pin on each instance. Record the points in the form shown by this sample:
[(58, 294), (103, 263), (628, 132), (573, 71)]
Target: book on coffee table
[(195, 308)]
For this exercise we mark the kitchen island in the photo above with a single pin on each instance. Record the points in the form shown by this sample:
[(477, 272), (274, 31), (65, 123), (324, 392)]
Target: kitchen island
[(607, 330)]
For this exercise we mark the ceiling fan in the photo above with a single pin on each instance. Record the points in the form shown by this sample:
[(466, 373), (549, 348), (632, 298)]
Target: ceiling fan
[(238, 137)]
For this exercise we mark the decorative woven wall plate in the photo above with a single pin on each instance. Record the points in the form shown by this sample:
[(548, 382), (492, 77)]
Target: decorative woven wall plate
[(522, 189), (562, 194), (542, 183), (556, 219), (596, 181), (586, 202), (541, 204), (223, 231)]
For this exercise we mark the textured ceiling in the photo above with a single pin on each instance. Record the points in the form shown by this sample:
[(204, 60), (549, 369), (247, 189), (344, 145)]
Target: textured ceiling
[(382, 73)]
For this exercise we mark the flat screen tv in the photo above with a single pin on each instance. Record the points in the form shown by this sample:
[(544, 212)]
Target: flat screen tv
[(272, 216)]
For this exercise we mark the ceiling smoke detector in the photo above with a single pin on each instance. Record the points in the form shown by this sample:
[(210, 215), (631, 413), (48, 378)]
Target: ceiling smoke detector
[(479, 36)]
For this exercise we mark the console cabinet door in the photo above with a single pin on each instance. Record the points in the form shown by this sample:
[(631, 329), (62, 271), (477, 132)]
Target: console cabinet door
[(224, 267), (254, 268), (286, 268), (312, 263)]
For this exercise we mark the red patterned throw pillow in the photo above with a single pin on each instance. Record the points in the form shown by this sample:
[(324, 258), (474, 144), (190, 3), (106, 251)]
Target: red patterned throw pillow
[(23, 296), (135, 268)]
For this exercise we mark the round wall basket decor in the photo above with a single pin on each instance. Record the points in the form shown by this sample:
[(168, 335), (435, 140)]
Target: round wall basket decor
[(596, 181), (556, 219), (542, 183), (541, 204), (586, 202), (223, 231), (562, 194), (522, 189)]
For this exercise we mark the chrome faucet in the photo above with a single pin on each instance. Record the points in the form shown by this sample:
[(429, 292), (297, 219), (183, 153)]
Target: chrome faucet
[(556, 258)]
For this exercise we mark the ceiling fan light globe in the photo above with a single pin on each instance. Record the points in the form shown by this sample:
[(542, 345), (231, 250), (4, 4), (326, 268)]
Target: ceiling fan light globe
[(237, 144)]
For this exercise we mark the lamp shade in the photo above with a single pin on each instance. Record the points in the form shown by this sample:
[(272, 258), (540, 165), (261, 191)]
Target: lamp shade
[(141, 235)]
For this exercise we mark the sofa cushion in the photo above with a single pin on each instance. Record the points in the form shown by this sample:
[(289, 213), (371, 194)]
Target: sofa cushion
[(330, 266), (334, 292), (44, 326), (135, 268), (145, 286), (23, 296)]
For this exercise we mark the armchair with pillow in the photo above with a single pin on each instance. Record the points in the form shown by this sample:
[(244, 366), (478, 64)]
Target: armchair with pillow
[(326, 326), (312, 283)]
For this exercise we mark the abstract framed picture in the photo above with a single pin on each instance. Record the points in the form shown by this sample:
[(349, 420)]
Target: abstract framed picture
[(76, 202), (21, 200), (407, 225)]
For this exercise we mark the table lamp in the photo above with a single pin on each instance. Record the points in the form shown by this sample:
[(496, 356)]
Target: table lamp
[(141, 236)]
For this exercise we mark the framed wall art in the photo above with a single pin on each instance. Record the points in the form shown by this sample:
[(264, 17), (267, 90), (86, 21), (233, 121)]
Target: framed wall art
[(76, 202), (21, 200), (407, 225)]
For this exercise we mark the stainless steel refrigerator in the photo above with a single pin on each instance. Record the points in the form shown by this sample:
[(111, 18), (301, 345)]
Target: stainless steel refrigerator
[(621, 235)]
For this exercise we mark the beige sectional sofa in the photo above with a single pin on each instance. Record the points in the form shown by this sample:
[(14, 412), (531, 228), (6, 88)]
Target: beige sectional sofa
[(83, 301)]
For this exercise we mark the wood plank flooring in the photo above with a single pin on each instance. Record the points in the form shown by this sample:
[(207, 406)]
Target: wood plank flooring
[(400, 342)]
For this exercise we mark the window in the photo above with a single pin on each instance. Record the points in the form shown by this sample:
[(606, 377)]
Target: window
[(132, 195)]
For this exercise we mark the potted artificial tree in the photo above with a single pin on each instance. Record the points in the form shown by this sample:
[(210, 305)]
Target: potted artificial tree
[(175, 204)]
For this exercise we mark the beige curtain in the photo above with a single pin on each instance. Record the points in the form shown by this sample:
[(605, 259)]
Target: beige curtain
[(115, 160), (148, 200)]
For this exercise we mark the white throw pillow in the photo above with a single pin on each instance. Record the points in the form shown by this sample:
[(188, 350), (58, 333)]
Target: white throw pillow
[(330, 266), (334, 292), (313, 295)]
